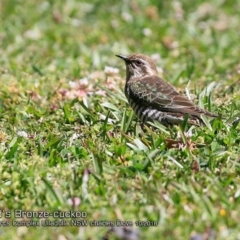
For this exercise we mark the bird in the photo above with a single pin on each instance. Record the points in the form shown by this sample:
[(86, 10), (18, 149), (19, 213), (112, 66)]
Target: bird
[(152, 98)]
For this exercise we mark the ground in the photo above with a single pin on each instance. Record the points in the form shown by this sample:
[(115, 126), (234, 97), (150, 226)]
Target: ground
[(70, 141)]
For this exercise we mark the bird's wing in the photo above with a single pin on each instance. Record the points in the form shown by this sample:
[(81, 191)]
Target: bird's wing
[(158, 94)]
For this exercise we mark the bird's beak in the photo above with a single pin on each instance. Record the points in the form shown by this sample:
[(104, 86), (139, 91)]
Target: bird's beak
[(125, 58)]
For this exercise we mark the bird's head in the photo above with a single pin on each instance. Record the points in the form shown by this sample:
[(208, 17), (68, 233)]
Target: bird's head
[(138, 65)]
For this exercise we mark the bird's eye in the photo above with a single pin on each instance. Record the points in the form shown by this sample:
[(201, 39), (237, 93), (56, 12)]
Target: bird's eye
[(138, 62)]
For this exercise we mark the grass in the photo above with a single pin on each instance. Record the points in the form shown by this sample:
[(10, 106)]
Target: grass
[(69, 140)]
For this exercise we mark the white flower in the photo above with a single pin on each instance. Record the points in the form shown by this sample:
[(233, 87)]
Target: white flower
[(33, 34), (22, 134), (147, 31), (127, 17), (74, 201), (111, 71)]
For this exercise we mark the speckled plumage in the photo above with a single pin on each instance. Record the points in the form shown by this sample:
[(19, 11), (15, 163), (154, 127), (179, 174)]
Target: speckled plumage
[(154, 99)]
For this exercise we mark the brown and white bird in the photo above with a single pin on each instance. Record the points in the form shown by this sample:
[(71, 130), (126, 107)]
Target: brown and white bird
[(154, 99)]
